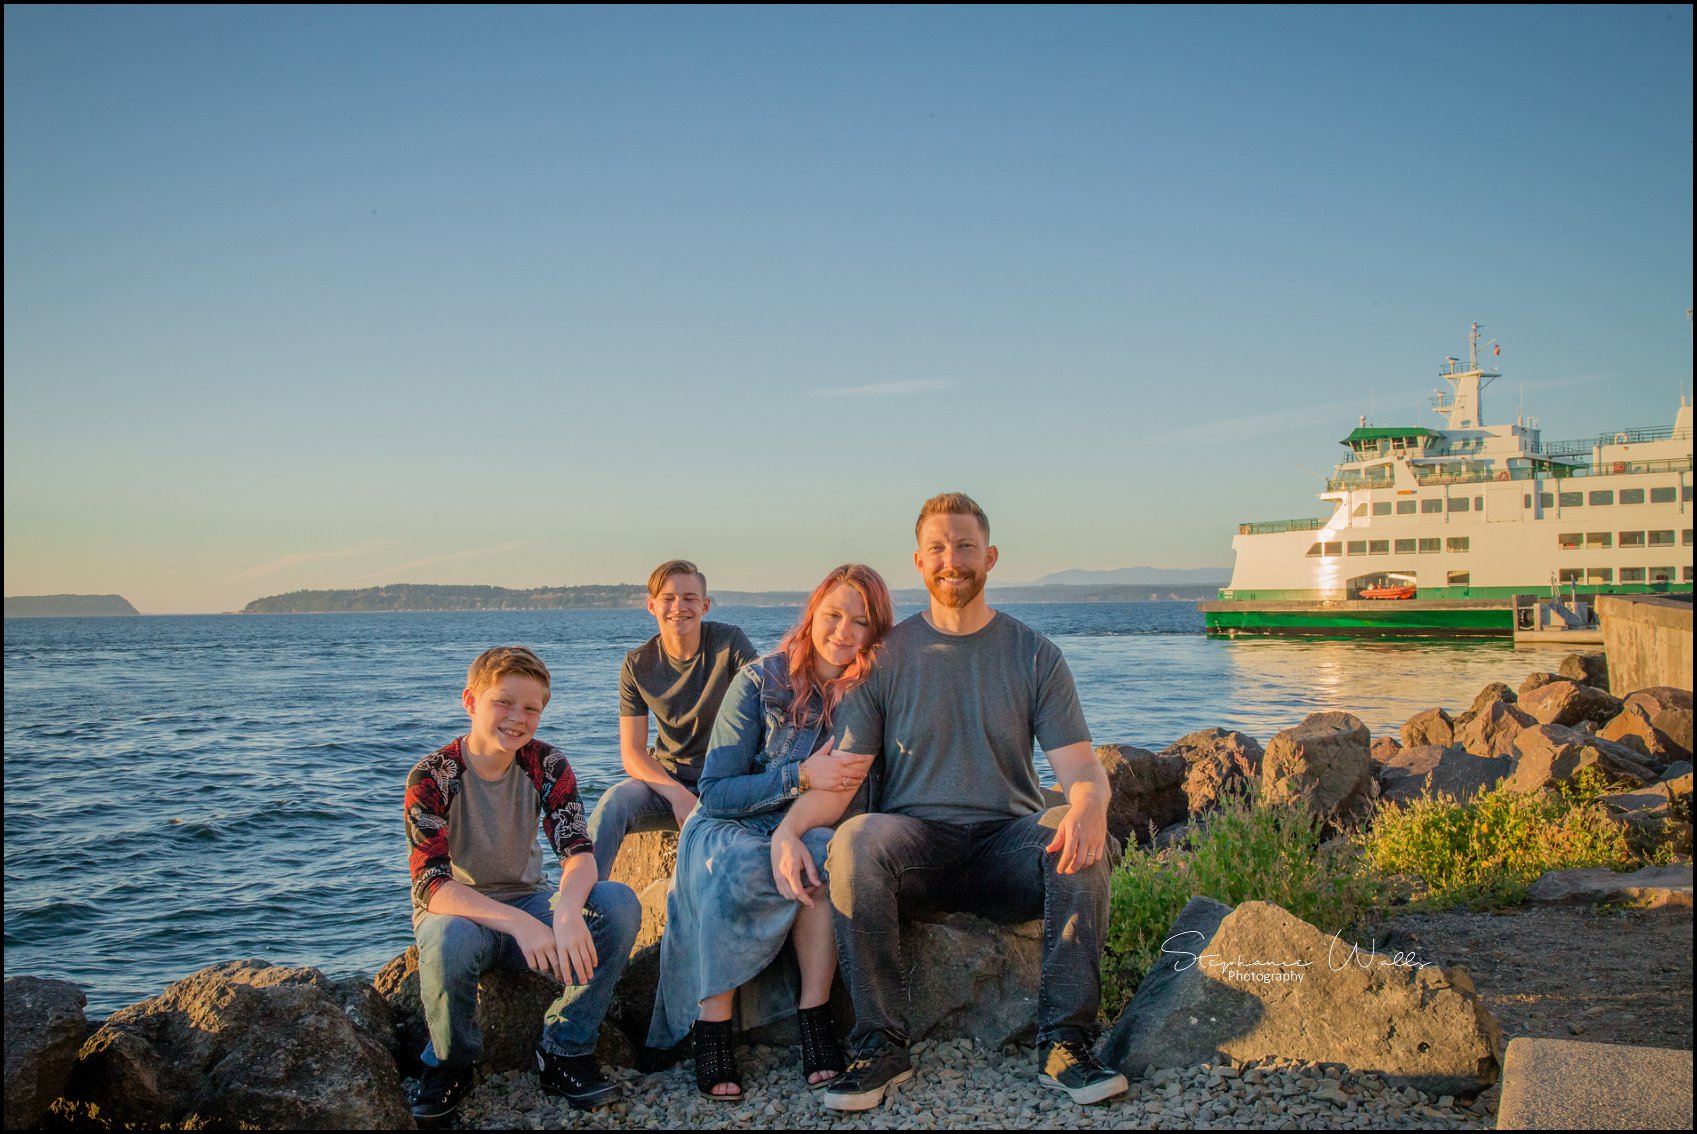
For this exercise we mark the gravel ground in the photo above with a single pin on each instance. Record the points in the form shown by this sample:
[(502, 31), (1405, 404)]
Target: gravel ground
[(958, 1085)]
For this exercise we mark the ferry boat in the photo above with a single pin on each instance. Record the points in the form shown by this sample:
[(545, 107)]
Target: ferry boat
[(1469, 516)]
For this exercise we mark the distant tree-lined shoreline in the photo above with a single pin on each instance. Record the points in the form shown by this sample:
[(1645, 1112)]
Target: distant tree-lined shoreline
[(448, 597)]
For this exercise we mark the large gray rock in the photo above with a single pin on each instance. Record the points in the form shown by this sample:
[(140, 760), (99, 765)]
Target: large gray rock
[(1569, 703), (1257, 982), (1654, 817), (1217, 761), (510, 1007), (644, 858), (1550, 754), (241, 1042), (967, 976), (1491, 731), (45, 1026), (1652, 887), (1148, 791), (1435, 770), (1428, 727), (1323, 762), (1588, 669), (1656, 723)]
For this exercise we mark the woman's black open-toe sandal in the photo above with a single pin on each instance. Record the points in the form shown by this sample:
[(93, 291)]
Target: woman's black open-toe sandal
[(820, 1050), (715, 1059)]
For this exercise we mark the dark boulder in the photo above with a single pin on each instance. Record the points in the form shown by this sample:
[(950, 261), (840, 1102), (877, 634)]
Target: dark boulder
[(241, 1042), (1435, 770), (1587, 669), (1148, 791), (1325, 763), (1491, 731), (45, 1026), (1547, 755), (1217, 762), (1569, 703), (1430, 726)]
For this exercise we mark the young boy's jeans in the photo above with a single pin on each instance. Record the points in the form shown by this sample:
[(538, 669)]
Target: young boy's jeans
[(454, 951), (628, 807)]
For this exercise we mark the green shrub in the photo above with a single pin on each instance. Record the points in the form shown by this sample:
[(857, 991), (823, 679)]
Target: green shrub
[(1490, 849), (1237, 854)]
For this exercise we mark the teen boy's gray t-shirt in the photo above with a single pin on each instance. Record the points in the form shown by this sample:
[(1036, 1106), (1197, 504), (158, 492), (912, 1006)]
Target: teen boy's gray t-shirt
[(683, 697), (954, 716), (492, 843)]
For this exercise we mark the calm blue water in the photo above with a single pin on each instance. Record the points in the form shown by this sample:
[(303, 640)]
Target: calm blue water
[(186, 790)]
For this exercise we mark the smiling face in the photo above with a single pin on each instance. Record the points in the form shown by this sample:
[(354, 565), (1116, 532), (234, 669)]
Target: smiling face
[(504, 715), (680, 604), (954, 558), (841, 629)]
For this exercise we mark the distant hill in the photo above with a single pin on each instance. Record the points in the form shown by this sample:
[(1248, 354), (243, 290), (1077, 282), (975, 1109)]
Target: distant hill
[(1160, 576), (419, 597), (425, 596), (68, 606)]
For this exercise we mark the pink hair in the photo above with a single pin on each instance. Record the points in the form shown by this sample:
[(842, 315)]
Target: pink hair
[(797, 645)]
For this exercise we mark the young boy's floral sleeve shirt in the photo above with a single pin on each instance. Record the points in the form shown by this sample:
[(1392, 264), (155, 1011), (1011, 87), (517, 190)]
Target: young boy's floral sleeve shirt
[(435, 781)]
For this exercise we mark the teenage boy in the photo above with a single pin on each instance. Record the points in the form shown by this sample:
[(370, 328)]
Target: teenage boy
[(679, 676), (479, 900), (952, 708)]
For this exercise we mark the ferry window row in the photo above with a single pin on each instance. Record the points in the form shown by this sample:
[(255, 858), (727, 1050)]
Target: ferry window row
[(1429, 505), (1601, 497), (1627, 575), (1457, 544), (1573, 541)]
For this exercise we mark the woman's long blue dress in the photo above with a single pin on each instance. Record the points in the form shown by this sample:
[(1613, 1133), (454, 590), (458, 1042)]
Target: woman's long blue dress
[(726, 923)]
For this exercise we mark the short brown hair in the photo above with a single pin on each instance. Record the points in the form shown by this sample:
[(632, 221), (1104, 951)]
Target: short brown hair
[(493, 664), (673, 567), (951, 504)]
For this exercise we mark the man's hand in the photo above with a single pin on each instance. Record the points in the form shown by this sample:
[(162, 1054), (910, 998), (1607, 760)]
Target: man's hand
[(575, 946), (835, 771), (683, 805), (792, 868), (1082, 838), (541, 950)]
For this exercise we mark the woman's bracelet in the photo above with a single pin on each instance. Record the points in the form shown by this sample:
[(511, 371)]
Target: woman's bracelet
[(801, 778)]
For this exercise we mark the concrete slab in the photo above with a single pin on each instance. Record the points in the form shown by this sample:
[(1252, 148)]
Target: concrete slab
[(1649, 887), (1577, 1085)]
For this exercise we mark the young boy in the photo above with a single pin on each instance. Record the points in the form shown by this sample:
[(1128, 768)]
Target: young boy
[(680, 675), (479, 900)]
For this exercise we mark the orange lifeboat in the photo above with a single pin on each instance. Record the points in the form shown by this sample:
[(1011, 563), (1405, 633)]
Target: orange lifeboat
[(1388, 592)]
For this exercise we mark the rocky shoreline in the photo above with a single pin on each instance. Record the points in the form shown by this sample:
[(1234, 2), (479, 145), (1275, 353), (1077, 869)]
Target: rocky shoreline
[(245, 1041)]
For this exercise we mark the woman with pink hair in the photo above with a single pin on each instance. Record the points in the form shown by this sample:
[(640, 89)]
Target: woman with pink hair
[(727, 924)]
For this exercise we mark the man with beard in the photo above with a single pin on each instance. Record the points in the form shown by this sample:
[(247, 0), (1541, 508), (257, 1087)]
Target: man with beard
[(958, 695)]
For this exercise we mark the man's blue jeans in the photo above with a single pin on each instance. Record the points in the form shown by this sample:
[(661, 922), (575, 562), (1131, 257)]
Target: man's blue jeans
[(453, 952), (886, 867), (628, 807)]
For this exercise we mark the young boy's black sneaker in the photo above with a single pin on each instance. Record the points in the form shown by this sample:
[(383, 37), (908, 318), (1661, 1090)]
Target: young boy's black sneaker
[(869, 1077), (575, 1078), (1071, 1066), (440, 1092)]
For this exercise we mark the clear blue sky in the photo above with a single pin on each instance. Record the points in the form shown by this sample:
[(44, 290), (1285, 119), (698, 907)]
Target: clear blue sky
[(340, 297)]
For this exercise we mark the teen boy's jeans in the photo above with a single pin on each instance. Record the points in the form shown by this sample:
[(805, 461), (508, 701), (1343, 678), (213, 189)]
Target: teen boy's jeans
[(454, 951), (628, 807), (884, 867)]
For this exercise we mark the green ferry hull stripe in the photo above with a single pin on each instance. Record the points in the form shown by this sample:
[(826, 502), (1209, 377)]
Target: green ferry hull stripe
[(1483, 623)]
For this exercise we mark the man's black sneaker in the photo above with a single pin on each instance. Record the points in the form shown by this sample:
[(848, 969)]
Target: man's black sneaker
[(1071, 1066), (575, 1078), (440, 1091), (868, 1077)]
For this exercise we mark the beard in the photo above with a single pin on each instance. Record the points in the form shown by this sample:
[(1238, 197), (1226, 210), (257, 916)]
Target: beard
[(955, 597)]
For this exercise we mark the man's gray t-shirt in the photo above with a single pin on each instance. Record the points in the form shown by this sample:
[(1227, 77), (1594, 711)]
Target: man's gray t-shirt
[(683, 696), (953, 717)]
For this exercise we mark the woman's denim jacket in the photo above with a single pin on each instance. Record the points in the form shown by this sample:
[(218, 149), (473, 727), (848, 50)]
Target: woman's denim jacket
[(753, 768)]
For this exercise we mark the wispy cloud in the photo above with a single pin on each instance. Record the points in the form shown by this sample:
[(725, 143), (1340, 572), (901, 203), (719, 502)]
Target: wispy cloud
[(391, 572), (296, 558), (1240, 428), (892, 389)]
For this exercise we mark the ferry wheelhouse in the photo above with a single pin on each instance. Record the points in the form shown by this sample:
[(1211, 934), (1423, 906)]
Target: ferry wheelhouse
[(1466, 517)]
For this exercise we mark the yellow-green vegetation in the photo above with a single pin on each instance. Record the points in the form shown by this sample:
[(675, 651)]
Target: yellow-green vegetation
[(1488, 850), (1485, 852), (1240, 853)]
